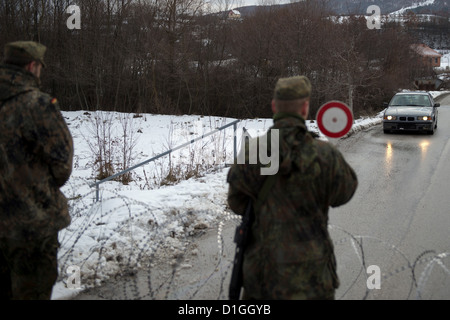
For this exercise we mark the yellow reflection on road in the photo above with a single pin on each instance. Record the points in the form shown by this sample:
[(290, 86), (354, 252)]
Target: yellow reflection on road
[(424, 147), (388, 158)]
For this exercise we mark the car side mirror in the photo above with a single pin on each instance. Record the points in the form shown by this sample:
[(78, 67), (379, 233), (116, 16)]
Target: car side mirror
[(437, 105), (385, 104)]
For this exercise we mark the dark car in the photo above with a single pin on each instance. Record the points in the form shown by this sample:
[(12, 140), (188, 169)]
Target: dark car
[(411, 111)]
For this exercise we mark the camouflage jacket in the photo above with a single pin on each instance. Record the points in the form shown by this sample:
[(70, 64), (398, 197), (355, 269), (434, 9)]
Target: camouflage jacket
[(291, 255), (36, 151)]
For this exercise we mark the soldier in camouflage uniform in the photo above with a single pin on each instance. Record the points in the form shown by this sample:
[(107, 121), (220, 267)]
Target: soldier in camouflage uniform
[(36, 151), (290, 253)]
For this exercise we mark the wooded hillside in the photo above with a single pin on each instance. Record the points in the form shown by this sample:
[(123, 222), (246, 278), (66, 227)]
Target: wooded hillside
[(175, 57)]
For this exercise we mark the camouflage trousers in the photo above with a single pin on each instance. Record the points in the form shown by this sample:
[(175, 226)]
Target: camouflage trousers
[(306, 280), (28, 271)]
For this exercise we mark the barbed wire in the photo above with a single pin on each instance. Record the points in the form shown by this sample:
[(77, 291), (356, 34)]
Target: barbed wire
[(147, 253)]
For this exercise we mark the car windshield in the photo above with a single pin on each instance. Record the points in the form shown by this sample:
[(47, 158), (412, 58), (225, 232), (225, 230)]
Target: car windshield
[(411, 100)]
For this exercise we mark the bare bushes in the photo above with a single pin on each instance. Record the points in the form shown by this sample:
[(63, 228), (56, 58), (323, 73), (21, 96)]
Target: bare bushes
[(193, 161), (111, 139)]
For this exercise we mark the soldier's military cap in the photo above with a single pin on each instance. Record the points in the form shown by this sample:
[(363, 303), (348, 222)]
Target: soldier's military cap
[(292, 88), (24, 52)]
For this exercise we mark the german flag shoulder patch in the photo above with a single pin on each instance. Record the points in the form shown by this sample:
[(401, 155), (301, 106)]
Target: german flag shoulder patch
[(54, 101)]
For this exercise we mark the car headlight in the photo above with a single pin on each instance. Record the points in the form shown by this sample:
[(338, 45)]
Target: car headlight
[(424, 118), (390, 118)]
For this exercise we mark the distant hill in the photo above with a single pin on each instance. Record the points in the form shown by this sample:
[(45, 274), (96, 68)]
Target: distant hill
[(439, 7), (348, 7), (434, 36)]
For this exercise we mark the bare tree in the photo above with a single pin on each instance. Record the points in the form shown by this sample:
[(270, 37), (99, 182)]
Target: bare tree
[(182, 56)]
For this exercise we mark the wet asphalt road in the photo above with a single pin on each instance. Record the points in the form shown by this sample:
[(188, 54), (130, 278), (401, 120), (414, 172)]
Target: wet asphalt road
[(399, 218)]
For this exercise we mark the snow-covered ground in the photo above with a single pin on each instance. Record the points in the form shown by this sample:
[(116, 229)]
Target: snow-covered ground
[(149, 216), (445, 61)]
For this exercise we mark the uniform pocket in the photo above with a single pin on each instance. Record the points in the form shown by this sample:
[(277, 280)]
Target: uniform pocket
[(298, 252)]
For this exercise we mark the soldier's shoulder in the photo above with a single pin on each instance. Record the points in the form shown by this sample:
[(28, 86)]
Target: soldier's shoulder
[(42, 98), (33, 92), (326, 148)]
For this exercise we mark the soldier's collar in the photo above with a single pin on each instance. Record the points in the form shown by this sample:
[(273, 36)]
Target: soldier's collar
[(25, 77), (283, 115)]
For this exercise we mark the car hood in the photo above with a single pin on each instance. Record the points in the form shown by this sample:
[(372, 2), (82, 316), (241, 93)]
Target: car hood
[(409, 111)]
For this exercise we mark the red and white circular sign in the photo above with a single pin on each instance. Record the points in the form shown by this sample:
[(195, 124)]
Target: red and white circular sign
[(334, 119)]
